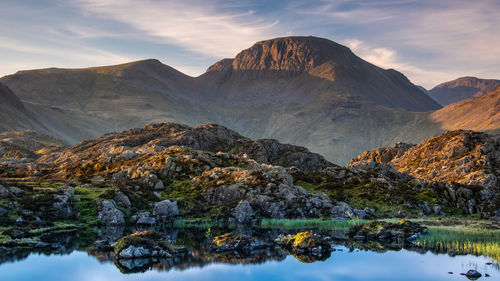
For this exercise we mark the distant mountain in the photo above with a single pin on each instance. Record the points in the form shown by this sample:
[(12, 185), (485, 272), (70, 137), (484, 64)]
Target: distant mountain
[(306, 91), (462, 88), (480, 113)]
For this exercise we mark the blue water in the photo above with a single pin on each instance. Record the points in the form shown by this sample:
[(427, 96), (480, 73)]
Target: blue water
[(342, 265)]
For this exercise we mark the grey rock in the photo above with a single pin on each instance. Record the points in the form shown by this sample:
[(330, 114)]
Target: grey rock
[(15, 190), (165, 209), (159, 185), (2, 211), (122, 200), (437, 210), (145, 219), (243, 212), (98, 181), (110, 215), (3, 192)]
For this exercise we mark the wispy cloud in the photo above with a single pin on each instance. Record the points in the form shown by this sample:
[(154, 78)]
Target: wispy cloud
[(388, 58), (199, 26), (441, 38)]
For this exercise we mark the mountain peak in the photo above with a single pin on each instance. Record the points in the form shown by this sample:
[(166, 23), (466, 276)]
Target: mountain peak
[(291, 54)]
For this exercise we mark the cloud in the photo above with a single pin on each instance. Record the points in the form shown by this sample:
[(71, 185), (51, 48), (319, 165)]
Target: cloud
[(388, 58), (445, 38), (195, 25)]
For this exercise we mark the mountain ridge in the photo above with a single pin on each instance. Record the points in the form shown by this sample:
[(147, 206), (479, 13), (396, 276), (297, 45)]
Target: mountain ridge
[(462, 88), (364, 107)]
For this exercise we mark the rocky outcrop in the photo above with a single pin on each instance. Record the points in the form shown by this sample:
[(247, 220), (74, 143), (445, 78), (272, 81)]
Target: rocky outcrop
[(139, 245), (304, 243), (386, 232), (466, 157), (237, 242)]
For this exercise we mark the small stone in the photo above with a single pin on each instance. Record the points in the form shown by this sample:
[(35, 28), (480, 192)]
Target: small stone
[(473, 274), (159, 185)]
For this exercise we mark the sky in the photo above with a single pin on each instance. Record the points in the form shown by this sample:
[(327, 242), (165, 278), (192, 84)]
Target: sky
[(430, 41)]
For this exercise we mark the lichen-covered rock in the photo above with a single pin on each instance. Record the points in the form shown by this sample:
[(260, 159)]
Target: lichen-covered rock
[(109, 214), (143, 245), (237, 242), (304, 242), (386, 232), (122, 200)]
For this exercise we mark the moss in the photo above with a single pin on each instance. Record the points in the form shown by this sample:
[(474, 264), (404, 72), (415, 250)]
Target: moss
[(303, 241), (147, 239)]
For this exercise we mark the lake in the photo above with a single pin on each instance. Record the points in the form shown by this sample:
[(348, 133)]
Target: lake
[(71, 258)]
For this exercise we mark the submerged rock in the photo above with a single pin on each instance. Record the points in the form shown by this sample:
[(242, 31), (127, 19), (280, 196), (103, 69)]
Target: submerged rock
[(473, 274)]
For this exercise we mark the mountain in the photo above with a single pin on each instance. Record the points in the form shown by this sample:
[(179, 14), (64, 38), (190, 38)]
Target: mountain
[(306, 91), (460, 156), (13, 113), (462, 88), (480, 113)]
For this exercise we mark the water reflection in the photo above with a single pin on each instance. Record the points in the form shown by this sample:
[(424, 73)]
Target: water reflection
[(383, 260)]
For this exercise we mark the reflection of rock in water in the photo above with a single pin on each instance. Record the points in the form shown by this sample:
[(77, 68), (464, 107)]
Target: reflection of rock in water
[(62, 244), (111, 234)]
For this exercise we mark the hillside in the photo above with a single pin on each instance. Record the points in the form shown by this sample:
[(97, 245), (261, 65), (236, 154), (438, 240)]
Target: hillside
[(305, 91), (462, 88), (480, 113), (147, 175), (460, 156)]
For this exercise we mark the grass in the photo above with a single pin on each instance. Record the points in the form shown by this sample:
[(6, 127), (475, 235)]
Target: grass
[(87, 204), (462, 241), (308, 223)]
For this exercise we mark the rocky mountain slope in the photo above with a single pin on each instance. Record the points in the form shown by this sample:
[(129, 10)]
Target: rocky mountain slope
[(466, 157), (306, 91), (462, 88), (165, 170), (26, 144), (481, 113)]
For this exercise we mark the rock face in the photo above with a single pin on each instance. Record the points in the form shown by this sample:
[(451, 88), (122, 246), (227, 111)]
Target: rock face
[(481, 113), (461, 89), (466, 157)]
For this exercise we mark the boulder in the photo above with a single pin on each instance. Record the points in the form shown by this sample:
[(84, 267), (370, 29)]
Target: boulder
[(304, 242), (122, 200), (243, 212), (98, 181), (110, 215), (165, 209), (473, 274), (144, 244), (145, 219)]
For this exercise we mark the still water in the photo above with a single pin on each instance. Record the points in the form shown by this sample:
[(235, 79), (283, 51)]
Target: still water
[(345, 263)]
